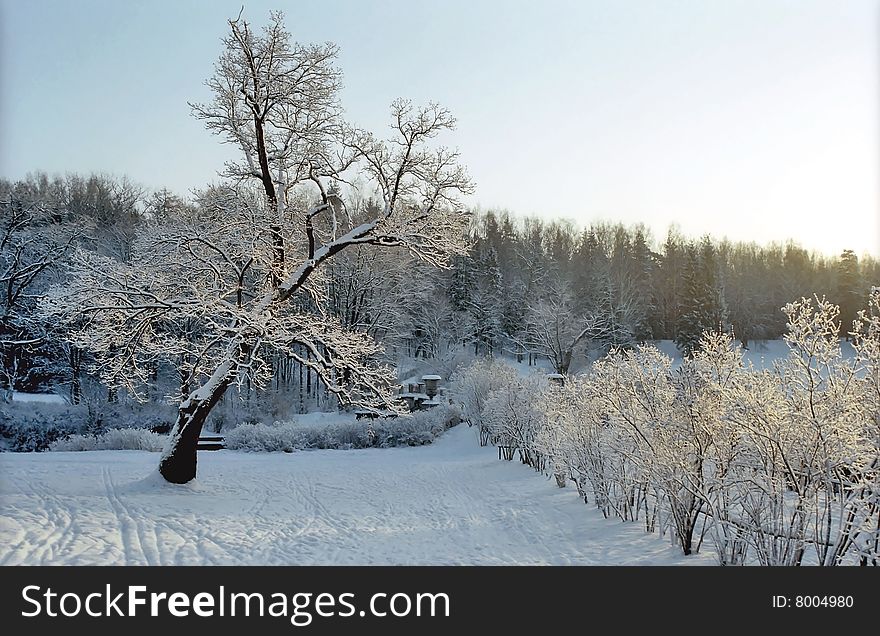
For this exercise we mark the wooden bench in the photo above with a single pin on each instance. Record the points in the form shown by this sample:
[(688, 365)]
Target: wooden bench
[(211, 443), (371, 415)]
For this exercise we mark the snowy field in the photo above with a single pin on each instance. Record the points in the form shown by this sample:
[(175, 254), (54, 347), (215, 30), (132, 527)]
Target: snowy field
[(449, 503), (39, 398), (761, 354)]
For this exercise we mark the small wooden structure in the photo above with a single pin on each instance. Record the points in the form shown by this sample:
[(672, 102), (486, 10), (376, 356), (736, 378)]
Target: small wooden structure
[(556, 379)]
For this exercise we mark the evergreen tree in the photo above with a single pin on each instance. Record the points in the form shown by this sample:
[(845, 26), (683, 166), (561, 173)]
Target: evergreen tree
[(486, 306), (461, 282), (850, 290), (701, 301), (666, 285)]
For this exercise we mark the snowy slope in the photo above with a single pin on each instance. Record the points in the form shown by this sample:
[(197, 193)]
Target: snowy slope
[(449, 503)]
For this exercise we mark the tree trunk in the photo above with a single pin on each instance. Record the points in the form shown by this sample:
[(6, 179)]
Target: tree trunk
[(272, 195), (178, 463), (564, 362), (183, 374), (75, 383)]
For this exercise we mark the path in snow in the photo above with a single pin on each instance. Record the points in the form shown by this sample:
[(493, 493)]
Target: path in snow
[(449, 503)]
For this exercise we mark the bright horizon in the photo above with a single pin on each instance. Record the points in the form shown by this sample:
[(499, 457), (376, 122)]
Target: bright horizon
[(754, 121)]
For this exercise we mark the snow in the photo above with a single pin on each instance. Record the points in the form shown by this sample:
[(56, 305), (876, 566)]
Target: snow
[(414, 396), (448, 503), (43, 398), (541, 366), (320, 419), (761, 353), (431, 377)]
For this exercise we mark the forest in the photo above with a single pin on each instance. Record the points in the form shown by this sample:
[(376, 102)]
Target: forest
[(526, 287)]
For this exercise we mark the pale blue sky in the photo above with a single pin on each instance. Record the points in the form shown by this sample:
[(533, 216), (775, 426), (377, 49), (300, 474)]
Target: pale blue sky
[(752, 119)]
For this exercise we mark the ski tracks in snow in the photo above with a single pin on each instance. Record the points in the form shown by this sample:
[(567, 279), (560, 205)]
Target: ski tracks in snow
[(47, 540), (444, 504), (137, 534)]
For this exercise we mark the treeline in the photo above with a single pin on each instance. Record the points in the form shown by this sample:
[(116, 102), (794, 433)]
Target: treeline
[(42, 220), (528, 287), (554, 289)]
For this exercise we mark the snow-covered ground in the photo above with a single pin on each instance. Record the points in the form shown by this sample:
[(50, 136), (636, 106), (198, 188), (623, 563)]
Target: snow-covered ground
[(761, 353), (321, 418), (449, 503), (41, 398)]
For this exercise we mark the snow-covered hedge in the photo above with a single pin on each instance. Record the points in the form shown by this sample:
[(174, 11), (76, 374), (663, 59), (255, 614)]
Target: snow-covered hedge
[(776, 466), (31, 426), (471, 387), (417, 429), (281, 436), (112, 439)]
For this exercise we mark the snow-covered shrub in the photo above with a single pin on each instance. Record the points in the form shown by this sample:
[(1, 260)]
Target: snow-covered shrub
[(472, 385), (634, 391), (703, 467), (34, 427), (417, 429), (113, 439), (31, 435), (860, 480), (401, 431), (281, 436), (573, 439), (75, 443), (813, 442), (513, 414), (696, 450), (777, 466), (437, 419), (30, 427)]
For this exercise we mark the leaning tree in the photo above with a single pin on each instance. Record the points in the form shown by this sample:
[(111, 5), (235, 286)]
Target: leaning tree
[(237, 278)]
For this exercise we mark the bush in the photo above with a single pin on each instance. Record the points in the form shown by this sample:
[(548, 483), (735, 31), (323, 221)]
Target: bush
[(32, 428), (417, 429), (259, 437), (472, 386), (513, 415), (29, 426), (776, 466), (112, 439)]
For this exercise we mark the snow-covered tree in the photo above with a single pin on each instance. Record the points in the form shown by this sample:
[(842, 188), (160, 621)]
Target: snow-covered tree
[(246, 265), (701, 307), (485, 305), (555, 328), (849, 290), (514, 416), (32, 248), (473, 385)]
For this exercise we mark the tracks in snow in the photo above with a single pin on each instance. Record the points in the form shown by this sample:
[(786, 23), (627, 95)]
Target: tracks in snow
[(449, 503), (139, 542)]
